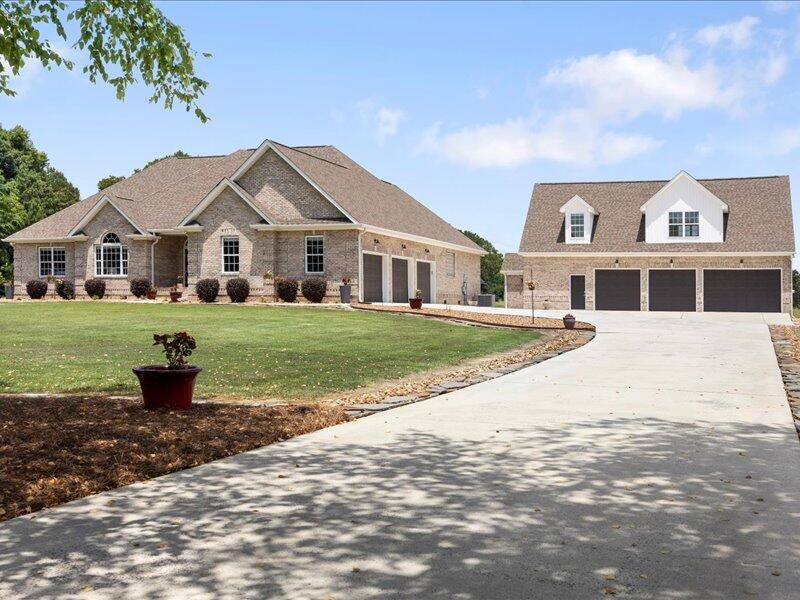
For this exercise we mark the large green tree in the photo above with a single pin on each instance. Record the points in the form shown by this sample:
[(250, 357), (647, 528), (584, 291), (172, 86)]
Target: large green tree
[(490, 265), (119, 41), (30, 189)]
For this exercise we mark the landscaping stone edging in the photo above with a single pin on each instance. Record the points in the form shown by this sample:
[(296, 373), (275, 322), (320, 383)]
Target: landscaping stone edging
[(789, 366), (357, 411)]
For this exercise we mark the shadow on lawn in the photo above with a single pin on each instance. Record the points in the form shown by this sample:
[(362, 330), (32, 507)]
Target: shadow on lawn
[(658, 509)]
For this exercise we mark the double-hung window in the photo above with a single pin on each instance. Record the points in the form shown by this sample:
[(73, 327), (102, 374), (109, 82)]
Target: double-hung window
[(52, 261), (315, 254), (230, 254), (684, 224), (576, 226), (450, 264), (110, 257)]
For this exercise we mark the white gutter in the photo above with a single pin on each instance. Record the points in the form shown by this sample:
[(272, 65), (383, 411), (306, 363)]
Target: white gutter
[(676, 253), (72, 238)]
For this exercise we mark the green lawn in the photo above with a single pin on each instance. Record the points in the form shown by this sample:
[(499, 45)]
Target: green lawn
[(246, 351)]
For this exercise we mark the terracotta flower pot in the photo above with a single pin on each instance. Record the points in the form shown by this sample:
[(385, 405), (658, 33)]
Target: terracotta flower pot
[(415, 303), (167, 388), (175, 296), (152, 294)]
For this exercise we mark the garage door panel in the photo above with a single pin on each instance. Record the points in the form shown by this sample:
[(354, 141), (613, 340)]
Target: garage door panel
[(742, 290), (424, 280), (399, 280), (617, 289), (373, 277), (672, 289)]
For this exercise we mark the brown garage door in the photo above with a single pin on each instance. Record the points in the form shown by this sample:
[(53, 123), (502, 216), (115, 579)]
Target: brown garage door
[(672, 289), (617, 289), (399, 280), (373, 278), (742, 290)]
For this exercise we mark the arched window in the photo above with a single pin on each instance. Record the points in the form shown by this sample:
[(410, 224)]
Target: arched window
[(110, 257)]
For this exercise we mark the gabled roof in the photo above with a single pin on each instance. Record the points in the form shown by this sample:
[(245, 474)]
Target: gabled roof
[(164, 194), (684, 176), (759, 216)]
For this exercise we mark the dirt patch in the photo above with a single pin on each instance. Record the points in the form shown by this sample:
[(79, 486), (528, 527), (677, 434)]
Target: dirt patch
[(478, 318), (54, 450), (417, 385)]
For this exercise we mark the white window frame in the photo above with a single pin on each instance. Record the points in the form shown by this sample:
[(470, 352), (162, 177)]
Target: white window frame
[(100, 257), (223, 254), (678, 224), (321, 255), (582, 225), (450, 264), (47, 267)]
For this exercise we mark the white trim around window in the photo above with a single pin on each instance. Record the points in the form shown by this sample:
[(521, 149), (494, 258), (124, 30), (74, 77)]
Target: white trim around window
[(52, 261), (110, 257), (314, 254), (229, 254)]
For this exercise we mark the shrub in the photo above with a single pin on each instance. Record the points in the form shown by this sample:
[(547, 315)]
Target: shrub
[(140, 286), (208, 290), (178, 347), (65, 289), (286, 288), (95, 288), (314, 289), (36, 289), (238, 289)]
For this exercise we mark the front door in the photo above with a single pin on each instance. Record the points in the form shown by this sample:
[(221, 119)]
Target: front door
[(577, 292), (424, 280), (399, 280)]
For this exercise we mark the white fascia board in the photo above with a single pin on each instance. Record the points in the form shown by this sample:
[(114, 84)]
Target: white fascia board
[(96, 209), (60, 240), (424, 240), (268, 145), (307, 227), (211, 196), (675, 253), (141, 236), (678, 177)]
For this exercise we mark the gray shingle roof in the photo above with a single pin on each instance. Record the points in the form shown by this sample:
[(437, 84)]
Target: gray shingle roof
[(160, 196), (759, 217)]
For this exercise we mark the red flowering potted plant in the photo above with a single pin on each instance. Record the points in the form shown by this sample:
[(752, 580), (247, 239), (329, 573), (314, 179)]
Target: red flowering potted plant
[(569, 321), (416, 301), (171, 385)]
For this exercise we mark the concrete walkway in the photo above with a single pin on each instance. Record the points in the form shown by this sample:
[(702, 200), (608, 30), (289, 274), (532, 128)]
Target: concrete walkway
[(658, 461)]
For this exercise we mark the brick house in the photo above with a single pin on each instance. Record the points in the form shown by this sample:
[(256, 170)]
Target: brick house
[(292, 211), (678, 245)]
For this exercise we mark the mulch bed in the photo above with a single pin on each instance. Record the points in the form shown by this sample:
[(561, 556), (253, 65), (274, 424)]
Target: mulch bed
[(59, 449), (480, 318)]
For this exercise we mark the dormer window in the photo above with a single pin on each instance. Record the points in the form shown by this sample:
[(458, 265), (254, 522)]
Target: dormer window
[(576, 226), (684, 224)]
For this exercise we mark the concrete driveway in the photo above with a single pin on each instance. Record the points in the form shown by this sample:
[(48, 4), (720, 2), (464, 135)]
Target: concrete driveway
[(659, 461)]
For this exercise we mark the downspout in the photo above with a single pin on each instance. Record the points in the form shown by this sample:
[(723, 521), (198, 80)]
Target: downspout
[(360, 268), (153, 261)]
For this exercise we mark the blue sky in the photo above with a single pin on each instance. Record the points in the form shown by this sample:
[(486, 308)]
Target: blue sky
[(463, 105)]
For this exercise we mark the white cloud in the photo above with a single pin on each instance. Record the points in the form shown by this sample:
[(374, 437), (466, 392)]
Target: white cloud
[(738, 33), (774, 68), (780, 6), (29, 74), (388, 122), (626, 83), (786, 141)]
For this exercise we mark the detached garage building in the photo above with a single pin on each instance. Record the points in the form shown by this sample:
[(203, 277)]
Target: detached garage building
[(678, 245)]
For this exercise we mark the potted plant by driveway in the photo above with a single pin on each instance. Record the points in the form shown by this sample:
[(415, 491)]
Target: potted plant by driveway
[(152, 293), (416, 301), (569, 321), (344, 291), (171, 385)]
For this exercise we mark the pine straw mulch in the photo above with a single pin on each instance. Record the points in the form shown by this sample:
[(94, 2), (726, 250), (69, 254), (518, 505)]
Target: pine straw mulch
[(480, 318), (417, 385), (54, 450)]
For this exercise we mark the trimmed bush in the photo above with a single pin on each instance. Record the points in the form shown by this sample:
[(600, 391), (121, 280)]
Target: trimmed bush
[(238, 289), (95, 288), (208, 290), (314, 289), (36, 289), (65, 289), (286, 288), (140, 286)]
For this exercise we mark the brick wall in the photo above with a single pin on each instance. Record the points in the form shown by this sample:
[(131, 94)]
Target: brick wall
[(552, 276)]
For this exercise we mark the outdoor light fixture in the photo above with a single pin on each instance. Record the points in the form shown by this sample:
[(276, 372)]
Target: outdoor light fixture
[(377, 241), (403, 246), (427, 251)]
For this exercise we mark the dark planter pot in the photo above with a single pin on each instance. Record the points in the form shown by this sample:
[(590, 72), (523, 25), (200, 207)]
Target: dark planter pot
[(175, 296), (344, 294), (569, 323), (9, 291), (151, 295), (167, 388), (415, 303)]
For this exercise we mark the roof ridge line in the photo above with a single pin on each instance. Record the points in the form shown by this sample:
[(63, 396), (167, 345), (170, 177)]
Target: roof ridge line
[(654, 180), (297, 149)]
